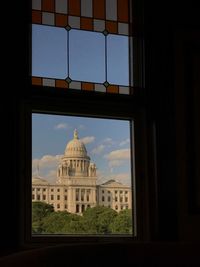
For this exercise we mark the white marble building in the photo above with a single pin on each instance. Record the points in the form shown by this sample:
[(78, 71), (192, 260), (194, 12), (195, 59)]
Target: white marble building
[(76, 186)]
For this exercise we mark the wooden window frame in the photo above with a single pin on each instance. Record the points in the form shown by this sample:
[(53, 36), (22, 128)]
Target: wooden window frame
[(50, 100)]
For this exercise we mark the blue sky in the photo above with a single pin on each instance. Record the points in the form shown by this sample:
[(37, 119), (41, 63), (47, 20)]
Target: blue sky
[(107, 142), (86, 55)]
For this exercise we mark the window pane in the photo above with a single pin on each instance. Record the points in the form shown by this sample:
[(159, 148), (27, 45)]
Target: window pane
[(118, 59), (87, 56), (85, 42), (49, 52), (72, 154)]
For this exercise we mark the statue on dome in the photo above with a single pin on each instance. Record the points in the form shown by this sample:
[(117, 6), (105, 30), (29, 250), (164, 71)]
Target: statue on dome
[(75, 134)]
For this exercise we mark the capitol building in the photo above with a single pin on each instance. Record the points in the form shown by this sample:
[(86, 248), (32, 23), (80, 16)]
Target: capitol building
[(76, 187)]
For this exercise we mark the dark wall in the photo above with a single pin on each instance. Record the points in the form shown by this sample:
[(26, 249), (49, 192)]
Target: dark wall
[(164, 23), (171, 33)]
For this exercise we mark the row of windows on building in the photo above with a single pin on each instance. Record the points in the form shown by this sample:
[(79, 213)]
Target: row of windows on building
[(43, 197), (115, 199), (45, 189), (116, 192), (88, 190)]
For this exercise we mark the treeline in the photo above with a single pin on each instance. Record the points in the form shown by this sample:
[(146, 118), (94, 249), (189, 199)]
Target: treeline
[(97, 220)]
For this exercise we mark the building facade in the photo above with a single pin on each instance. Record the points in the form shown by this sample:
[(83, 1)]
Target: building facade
[(76, 186)]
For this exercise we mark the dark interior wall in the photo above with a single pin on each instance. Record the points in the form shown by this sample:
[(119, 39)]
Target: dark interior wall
[(171, 33), (162, 21)]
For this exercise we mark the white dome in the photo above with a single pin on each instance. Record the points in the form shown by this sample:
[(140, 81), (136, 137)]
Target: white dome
[(75, 148)]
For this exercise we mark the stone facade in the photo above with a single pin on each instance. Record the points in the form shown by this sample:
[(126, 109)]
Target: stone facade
[(76, 186)]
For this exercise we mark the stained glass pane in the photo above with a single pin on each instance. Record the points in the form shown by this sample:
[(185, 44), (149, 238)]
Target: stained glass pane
[(117, 59), (83, 41), (87, 56), (49, 48)]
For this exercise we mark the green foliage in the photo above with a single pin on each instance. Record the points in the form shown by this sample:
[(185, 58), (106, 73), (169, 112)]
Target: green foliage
[(62, 222), (97, 220), (39, 211), (55, 222), (122, 223)]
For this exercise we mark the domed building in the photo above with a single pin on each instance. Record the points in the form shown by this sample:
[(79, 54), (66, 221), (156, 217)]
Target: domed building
[(76, 186)]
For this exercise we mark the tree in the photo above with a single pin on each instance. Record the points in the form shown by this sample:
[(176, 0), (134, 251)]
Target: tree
[(122, 223), (55, 222), (39, 211), (97, 220)]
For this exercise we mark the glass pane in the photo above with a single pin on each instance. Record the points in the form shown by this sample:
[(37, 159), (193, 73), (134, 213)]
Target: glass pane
[(81, 175), (118, 59), (49, 52), (87, 56)]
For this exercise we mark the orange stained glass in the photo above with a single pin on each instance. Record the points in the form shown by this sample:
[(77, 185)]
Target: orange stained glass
[(36, 81), (48, 5), (61, 83), (99, 9), (74, 7), (36, 17), (61, 20), (113, 89), (123, 13), (87, 86), (111, 26), (86, 24)]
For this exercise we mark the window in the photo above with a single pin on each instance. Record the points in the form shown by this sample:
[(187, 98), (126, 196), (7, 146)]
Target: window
[(86, 100), (58, 197), (77, 208), (105, 31)]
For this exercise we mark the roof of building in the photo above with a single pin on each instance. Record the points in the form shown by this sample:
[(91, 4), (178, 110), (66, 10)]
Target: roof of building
[(113, 183), (39, 181)]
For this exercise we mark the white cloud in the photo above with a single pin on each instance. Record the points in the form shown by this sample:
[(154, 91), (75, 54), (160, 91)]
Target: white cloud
[(117, 158), (87, 139), (98, 149), (108, 141), (118, 154), (115, 163), (124, 142), (61, 126), (45, 164)]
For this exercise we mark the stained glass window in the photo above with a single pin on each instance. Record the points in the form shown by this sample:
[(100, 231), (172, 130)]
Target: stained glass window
[(82, 44)]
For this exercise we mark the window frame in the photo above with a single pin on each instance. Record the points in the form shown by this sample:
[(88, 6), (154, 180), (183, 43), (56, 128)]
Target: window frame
[(92, 104), (114, 108)]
